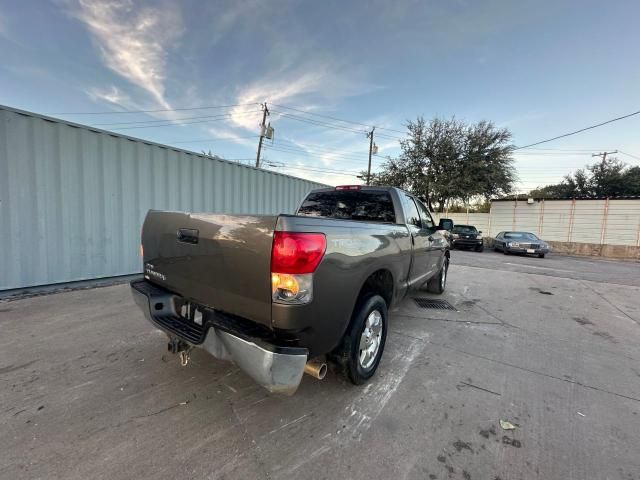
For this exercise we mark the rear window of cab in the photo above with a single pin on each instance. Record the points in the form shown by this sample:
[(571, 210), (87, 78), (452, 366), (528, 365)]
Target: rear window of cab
[(369, 206)]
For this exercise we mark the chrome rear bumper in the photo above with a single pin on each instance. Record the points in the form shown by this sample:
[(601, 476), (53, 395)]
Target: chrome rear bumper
[(278, 369)]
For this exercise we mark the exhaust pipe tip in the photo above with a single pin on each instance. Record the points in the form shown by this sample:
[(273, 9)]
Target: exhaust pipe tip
[(316, 369)]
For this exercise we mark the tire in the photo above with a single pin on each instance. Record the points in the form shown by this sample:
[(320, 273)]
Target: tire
[(541, 255), (357, 366), (480, 248), (504, 250), (438, 282)]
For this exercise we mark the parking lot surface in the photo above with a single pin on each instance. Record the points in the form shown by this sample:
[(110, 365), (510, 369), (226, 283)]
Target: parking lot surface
[(87, 389)]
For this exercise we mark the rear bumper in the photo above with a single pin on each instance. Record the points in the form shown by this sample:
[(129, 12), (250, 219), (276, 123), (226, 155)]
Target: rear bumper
[(277, 368), (535, 251)]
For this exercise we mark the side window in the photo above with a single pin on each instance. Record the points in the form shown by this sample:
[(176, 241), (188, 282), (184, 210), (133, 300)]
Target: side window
[(412, 216), (425, 217)]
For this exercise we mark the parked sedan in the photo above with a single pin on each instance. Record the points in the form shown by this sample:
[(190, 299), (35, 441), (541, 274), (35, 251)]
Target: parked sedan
[(466, 236), (520, 242)]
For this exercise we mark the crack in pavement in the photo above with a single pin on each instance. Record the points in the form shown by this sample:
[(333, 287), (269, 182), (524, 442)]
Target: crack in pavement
[(608, 302), (480, 388), (13, 368), (399, 314), (543, 274), (574, 382)]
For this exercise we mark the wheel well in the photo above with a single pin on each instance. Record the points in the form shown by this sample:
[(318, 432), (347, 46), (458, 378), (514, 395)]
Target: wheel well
[(380, 283)]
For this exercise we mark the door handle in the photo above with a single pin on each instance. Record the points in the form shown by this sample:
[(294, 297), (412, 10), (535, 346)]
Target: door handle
[(188, 235)]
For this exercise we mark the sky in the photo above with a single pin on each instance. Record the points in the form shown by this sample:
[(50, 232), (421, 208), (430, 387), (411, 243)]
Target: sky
[(539, 68)]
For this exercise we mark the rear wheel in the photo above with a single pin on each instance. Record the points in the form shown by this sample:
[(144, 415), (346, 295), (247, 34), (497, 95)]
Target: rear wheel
[(438, 282), (541, 255), (362, 346)]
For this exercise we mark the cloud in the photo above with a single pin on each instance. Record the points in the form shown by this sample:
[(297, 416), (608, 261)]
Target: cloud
[(322, 81), (134, 41), (226, 134), (110, 94)]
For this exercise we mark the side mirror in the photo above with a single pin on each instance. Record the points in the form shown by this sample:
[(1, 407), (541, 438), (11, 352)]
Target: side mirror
[(479, 231), (445, 224)]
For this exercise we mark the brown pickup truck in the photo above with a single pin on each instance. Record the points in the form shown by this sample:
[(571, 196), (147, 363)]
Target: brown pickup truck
[(279, 295)]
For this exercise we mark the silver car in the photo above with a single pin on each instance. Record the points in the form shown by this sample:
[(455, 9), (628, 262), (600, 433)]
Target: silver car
[(525, 243)]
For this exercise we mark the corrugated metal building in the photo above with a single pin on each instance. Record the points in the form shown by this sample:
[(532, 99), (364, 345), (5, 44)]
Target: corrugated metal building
[(73, 198)]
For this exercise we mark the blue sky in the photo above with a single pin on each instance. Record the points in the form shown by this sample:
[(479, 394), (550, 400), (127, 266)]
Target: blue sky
[(540, 68)]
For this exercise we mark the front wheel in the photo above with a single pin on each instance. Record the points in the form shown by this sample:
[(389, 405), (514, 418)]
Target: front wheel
[(479, 248), (541, 255), (363, 345), (438, 282)]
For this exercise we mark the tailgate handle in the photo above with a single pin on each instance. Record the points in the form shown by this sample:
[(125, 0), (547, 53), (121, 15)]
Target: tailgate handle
[(188, 235)]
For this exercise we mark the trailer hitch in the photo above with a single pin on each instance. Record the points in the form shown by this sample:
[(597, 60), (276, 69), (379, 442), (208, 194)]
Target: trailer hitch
[(176, 345)]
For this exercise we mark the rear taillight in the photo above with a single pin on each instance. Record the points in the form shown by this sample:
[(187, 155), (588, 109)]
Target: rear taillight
[(294, 258), (297, 252), (348, 187)]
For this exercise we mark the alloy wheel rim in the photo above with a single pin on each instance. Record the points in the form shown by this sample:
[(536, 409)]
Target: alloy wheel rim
[(370, 339)]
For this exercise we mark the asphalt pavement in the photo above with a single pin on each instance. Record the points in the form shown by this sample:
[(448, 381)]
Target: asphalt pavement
[(87, 389)]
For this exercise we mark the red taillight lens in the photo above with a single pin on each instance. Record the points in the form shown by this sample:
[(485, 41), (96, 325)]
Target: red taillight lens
[(297, 252), (348, 187)]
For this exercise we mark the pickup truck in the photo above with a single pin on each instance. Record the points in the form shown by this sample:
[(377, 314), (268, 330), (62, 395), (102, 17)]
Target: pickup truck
[(280, 295)]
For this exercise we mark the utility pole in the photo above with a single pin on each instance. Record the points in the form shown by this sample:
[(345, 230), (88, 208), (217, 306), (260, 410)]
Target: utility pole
[(604, 156), (263, 129), (370, 137)]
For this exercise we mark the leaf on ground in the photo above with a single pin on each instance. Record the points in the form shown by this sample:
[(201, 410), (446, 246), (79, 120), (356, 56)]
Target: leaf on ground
[(506, 425)]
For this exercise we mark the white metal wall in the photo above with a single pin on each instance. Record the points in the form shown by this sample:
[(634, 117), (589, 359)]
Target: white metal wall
[(602, 222), (73, 198), (478, 220)]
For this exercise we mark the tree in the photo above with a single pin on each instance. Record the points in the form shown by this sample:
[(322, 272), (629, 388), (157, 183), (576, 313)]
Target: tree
[(611, 178), (444, 160)]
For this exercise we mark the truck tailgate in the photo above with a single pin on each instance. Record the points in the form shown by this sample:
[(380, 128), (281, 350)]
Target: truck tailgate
[(220, 261)]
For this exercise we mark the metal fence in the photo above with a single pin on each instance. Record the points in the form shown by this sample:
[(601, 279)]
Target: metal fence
[(73, 198), (607, 222)]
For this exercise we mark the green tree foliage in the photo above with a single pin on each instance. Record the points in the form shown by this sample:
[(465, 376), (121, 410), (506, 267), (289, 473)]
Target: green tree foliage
[(446, 160), (612, 178)]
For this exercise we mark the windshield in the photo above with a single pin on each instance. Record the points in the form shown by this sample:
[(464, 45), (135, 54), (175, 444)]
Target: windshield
[(520, 236), (464, 229)]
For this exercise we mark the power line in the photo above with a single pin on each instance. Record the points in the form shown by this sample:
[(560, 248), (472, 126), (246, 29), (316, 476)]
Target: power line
[(581, 130), (173, 124), (215, 139), (318, 151), (319, 123), (112, 112), (317, 146), (571, 149), (311, 154), (629, 155), (223, 115), (320, 170), (338, 119), (304, 154)]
